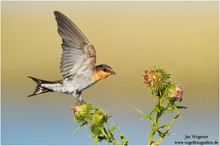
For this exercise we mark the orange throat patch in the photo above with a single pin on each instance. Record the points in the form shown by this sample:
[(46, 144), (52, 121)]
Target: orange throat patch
[(99, 75)]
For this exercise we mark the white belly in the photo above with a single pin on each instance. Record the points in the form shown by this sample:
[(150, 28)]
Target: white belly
[(69, 86)]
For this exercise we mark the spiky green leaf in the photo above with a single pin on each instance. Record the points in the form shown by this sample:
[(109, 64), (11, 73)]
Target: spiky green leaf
[(181, 107), (142, 113), (95, 140)]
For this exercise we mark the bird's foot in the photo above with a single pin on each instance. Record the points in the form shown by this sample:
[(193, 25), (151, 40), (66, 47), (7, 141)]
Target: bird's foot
[(79, 101)]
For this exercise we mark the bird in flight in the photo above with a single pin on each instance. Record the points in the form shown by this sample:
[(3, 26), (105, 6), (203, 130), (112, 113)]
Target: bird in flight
[(77, 64)]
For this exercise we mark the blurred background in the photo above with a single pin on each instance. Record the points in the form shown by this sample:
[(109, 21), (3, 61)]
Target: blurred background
[(181, 37)]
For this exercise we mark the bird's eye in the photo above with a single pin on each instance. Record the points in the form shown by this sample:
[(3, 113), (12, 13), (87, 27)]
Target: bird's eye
[(105, 70)]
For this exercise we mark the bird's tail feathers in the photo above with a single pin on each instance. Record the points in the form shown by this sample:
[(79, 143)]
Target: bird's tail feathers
[(39, 89)]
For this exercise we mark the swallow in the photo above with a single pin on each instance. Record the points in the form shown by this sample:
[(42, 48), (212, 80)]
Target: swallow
[(77, 64)]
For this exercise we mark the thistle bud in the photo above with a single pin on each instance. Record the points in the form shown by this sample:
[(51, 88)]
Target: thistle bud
[(75, 109), (82, 112), (80, 109), (95, 130), (152, 77), (176, 92)]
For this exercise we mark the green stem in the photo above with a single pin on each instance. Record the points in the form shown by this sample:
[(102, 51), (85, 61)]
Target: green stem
[(154, 124), (110, 138), (154, 121), (152, 133), (159, 140)]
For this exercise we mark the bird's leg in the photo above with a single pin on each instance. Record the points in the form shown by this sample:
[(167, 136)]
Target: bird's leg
[(79, 99)]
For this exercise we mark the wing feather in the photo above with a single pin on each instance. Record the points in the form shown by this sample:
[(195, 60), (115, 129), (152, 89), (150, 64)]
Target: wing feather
[(78, 54)]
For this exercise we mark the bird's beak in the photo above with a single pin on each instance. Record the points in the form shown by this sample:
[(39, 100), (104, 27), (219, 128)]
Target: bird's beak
[(113, 73)]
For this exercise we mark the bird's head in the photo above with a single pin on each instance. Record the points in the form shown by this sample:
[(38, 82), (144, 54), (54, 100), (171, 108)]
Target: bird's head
[(102, 71)]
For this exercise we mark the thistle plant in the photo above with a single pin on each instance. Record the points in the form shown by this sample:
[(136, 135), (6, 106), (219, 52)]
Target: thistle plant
[(87, 114), (165, 93)]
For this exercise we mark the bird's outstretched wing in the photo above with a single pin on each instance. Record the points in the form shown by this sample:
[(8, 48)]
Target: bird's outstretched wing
[(78, 54)]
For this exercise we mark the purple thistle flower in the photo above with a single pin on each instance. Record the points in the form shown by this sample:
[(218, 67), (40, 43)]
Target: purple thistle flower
[(176, 92)]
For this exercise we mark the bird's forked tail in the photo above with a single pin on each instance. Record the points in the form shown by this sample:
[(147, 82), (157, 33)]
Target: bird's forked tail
[(39, 89)]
